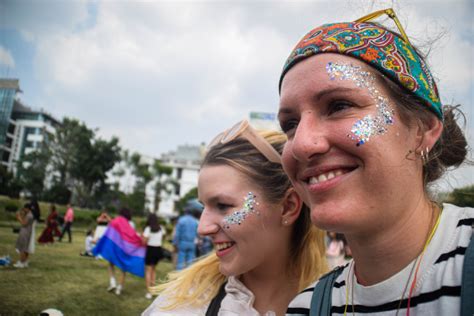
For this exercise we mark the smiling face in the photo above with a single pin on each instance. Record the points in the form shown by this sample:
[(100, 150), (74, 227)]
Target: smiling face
[(245, 228), (346, 150)]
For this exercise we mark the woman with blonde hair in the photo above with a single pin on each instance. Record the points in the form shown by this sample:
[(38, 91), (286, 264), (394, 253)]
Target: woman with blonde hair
[(266, 248)]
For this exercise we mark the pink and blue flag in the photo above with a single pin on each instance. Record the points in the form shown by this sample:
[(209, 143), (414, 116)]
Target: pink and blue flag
[(121, 246)]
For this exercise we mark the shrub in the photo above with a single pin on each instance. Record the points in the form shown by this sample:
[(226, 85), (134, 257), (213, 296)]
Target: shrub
[(12, 206)]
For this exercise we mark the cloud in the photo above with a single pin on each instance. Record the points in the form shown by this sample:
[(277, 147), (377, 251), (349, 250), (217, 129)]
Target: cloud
[(6, 58), (161, 74)]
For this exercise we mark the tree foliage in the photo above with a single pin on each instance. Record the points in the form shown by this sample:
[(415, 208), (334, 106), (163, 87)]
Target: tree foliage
[(32, 169), (462, 196)]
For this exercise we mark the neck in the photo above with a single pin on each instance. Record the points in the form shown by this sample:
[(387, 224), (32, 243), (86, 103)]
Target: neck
[(272, 286), (379, 256)]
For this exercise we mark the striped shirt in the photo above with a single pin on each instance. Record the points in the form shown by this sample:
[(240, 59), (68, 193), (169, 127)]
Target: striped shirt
[(438, 286)]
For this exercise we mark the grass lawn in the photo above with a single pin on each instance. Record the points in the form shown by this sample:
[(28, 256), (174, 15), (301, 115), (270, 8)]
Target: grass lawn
[(59, 278)]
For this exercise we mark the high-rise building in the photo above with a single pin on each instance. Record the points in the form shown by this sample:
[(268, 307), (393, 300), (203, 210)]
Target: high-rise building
[(8, 91), (31, 128), (22, 129)]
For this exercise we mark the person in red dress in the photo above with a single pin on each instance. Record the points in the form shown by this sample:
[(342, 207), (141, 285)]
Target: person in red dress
[(51, 228)]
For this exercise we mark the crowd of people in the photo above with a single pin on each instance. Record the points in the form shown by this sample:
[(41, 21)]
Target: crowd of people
[(363, 136), (146, 247)]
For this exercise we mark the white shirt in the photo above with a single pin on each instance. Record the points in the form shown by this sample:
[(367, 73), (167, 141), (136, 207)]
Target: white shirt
[(438, 285), (154, 239), (237, 302)]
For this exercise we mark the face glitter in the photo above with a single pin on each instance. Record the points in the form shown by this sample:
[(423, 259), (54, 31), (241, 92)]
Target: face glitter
[(239, 216), (369, 125)]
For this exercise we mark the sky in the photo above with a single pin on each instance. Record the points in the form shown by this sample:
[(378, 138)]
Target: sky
[(158, 74)]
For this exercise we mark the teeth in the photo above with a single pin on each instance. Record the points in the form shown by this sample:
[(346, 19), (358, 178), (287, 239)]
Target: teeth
[(224, 245), (325, 176)]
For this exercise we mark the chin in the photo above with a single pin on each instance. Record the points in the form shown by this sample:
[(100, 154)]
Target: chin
[(330, 218)]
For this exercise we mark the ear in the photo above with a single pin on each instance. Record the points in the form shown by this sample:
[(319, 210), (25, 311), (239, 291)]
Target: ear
[(429, 132), (292, 205)]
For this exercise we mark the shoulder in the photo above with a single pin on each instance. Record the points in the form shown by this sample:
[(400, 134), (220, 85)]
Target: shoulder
[(146, 232), (157, 308), (301, 303)]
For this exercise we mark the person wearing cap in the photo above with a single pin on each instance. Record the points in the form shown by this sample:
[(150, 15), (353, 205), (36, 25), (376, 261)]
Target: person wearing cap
[(26, 219), (367, 135), (186, 234)]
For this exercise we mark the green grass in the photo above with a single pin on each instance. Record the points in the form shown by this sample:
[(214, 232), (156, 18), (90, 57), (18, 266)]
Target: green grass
[(59, 278)]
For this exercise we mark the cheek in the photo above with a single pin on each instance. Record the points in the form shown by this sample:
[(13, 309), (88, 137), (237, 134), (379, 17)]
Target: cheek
[(287, 159)]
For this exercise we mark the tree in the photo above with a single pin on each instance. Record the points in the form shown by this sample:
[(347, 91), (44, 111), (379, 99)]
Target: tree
[(8, 184), (192, 194), (463, 197), (81, 161), (141, 171), (32, 169), (164, 183)]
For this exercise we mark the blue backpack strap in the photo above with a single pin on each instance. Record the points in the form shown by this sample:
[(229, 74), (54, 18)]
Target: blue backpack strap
[(321, 301), (467, 285)]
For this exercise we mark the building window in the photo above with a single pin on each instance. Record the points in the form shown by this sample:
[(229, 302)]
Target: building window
[(180, 173), (177, 188)]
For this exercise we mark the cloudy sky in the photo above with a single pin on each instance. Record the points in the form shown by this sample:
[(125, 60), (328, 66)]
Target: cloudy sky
[(158, 74)]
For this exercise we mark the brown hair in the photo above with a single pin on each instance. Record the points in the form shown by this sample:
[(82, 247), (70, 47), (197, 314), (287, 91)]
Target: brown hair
[(451, 148)]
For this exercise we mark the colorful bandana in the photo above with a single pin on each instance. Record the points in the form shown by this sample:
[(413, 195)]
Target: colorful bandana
[(376, 46)]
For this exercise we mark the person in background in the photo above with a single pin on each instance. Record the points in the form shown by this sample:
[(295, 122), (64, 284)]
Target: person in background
[(26, 219), (121, 246), (88, 245), (51, 230), (36, 211), (68, 220), (153, 239), (335, 252), (367, 135), (186, 235), (102, 221), (266, 248)]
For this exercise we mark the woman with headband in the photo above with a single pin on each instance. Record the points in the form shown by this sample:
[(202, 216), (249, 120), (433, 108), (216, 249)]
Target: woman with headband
[(366, 135), (266, 248)]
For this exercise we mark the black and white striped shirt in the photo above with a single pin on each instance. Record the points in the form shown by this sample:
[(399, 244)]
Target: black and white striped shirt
[(438, 286)]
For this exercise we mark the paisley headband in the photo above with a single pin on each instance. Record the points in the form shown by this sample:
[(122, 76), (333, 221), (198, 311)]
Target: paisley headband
[(377, 46)]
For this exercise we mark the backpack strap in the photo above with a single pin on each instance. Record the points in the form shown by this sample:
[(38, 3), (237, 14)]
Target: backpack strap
[(467, 285), (321, 300), (215, 304)]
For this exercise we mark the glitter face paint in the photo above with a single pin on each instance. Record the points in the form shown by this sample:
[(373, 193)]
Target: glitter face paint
[(369, 125), (237, 217)]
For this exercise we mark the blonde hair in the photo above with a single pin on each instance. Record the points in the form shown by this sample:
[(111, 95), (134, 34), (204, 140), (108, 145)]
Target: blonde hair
[(199, 283)]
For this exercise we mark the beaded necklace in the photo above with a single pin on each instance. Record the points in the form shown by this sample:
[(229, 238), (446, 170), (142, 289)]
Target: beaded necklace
[(416, 263)]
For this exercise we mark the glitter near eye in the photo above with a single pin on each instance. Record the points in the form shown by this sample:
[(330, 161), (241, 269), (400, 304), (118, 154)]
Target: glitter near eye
[(369, 125), (239, 216)]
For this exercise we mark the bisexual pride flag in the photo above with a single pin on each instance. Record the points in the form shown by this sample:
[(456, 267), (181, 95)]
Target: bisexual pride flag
[(121, 246)]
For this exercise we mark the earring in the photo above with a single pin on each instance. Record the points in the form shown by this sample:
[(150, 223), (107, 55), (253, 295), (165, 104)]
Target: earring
[(285, 222), (425, 155)]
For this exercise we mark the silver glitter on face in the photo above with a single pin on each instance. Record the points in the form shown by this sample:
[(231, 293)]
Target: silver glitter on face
[(369, 125), (239, 216)]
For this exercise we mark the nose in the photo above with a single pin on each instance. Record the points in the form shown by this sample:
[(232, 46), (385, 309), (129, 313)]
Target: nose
[(208, 223), (309, 140)]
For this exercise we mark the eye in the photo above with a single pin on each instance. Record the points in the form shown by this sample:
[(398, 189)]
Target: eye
[(289, 125), (338, 105), (223, 207)]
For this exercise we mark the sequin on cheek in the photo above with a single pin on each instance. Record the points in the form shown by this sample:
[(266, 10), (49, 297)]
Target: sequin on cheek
[(237, 217), (370, 125)]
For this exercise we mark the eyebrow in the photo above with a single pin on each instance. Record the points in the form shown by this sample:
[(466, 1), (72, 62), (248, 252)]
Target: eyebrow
[(317, 97)]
